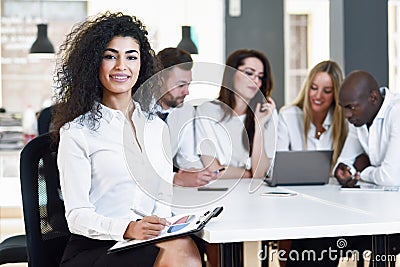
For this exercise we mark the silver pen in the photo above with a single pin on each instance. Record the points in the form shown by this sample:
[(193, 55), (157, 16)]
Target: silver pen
[(141, 213), (220, 170)]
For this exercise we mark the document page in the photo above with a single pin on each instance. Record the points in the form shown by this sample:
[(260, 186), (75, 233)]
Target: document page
[(180, 225)]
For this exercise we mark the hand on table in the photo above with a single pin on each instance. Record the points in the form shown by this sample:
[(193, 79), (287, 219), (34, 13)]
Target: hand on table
[(344, 176)]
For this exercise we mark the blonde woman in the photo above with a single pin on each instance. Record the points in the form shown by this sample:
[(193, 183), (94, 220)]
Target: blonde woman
[(315, 120)]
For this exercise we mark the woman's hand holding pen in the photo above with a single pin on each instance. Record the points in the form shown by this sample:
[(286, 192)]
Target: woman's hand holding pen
[(344, 176), (194, 178), (148, 227), (264, 111)]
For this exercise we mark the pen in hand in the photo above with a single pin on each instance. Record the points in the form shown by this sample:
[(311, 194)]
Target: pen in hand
[(148, 227), (220, 170), (140, 213)]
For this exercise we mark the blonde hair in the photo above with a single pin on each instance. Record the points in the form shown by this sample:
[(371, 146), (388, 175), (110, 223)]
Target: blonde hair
[(339, 125)]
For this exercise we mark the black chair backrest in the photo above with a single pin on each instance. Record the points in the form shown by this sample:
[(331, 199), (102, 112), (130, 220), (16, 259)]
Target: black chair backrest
[(44, 214)]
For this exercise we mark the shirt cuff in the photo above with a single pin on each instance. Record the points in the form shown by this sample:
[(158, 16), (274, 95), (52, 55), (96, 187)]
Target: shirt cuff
[(118, 229), (366, 175)]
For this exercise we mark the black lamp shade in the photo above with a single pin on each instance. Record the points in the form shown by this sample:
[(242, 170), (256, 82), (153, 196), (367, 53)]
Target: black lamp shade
[(186, 43), (42, 43)]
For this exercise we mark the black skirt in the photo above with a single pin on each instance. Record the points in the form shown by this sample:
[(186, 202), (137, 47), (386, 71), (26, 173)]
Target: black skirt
[(85, 252)]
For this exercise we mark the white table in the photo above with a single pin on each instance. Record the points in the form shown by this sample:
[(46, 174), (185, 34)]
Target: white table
[(9, 163), (10, 189), (10, 192), (376, 203), (312, 213)]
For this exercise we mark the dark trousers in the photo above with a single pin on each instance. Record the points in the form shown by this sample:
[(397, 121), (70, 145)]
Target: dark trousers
[(201, 246), (84, 252)]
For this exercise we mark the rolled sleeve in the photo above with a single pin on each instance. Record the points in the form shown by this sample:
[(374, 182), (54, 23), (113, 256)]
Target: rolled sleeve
[(386, 169)]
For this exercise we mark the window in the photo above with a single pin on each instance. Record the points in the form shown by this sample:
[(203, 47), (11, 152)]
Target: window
[(394, 45), (27, 81), (306, 41), (298, 56)]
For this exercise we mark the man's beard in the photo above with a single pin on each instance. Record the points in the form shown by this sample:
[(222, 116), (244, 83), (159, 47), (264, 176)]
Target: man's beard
[(174, 102)]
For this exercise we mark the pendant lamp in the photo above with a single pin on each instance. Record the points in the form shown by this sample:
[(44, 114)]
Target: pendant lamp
[(186, 43), (42, 43)]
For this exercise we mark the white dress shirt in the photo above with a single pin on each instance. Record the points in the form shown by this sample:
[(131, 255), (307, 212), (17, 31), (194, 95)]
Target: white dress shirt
[(291, 131), (222, 139), (181, 128), (107, 174), (381, 142)]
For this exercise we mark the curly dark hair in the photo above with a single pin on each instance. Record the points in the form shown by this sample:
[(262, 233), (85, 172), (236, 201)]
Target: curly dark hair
[(227, 93), (78, 87)]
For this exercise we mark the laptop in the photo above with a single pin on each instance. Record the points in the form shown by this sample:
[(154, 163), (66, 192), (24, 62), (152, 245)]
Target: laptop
[(311, 167)]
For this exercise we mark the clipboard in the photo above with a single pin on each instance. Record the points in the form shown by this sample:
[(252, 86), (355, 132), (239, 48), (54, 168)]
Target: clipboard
[(181, 225)]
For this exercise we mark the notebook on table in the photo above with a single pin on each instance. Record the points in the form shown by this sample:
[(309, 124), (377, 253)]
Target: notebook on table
[(311, 167)]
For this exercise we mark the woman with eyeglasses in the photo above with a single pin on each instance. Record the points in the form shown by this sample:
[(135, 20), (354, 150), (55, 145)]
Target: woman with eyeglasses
[(237, 131)]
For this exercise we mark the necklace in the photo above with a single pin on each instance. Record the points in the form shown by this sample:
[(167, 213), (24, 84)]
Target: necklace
[(319, 133)]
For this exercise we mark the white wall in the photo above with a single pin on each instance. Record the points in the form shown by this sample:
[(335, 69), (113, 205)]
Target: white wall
[(165, 18), (394, 45)]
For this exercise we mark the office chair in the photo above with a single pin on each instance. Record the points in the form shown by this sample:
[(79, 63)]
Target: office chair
[(13, 250), (45, 224)]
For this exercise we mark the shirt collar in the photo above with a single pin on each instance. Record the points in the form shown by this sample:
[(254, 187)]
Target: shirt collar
[(328, 119), (386, 101), (109, 114), (158, 108)]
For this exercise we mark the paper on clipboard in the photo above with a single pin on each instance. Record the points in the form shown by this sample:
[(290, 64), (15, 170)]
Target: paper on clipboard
[(183, 224)]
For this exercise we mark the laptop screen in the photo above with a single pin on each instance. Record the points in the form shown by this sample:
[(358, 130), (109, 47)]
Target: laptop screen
[(311, 167)]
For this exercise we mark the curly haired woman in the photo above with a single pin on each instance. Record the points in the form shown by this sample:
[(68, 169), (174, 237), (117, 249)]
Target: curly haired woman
[(111, 187)]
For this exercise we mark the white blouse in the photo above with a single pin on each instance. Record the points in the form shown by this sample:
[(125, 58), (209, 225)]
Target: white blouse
[(291, 131), (222, 138), (107, 174)]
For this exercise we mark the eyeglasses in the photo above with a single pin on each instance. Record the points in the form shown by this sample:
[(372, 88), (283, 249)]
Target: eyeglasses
[(252, 74)]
